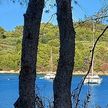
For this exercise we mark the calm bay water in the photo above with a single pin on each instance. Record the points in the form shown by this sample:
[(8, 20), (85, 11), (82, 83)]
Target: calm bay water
[(9, 90)]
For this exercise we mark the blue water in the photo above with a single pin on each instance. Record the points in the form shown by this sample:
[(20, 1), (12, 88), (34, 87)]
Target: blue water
[(9, 90)]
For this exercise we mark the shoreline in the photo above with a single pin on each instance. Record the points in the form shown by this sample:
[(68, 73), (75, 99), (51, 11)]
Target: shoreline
[(46, 72)]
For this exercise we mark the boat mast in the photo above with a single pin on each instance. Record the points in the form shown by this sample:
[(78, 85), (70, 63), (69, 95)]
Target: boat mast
[(93, 45), (51, 60)]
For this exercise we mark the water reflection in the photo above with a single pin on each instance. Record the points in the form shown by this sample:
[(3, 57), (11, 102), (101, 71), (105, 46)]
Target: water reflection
[(91, 97), (9, 91)]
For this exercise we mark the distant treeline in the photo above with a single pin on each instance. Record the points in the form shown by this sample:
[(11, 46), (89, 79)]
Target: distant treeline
[(10, 47)]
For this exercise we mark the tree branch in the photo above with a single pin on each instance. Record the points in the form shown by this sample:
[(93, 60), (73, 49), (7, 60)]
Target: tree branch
[(48, 21), (80, 85)]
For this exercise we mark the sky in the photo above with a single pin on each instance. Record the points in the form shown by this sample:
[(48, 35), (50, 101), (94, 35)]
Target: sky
[(11, 14)]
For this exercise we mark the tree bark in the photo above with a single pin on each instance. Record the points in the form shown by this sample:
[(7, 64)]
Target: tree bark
[(32, 20), (62, 81)]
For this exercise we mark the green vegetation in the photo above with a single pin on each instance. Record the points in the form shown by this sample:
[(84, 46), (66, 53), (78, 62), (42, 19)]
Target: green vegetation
[(10, 47)]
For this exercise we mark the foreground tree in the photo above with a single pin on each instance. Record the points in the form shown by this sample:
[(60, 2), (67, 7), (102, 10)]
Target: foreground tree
[(62, 81), (32, 20)]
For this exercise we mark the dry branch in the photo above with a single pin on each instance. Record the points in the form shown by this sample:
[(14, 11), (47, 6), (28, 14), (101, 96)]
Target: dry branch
[(80, 85)]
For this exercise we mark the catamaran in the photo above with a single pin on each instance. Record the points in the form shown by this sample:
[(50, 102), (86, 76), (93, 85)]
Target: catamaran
[(91, 77)]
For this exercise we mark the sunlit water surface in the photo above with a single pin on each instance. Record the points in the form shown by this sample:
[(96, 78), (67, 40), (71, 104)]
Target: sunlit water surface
[(9, 90)]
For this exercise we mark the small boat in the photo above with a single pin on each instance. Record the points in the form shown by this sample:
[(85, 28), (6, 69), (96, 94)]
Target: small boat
[(49, 76)]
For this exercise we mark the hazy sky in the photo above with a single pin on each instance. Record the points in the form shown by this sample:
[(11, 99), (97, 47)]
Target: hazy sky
[(11, 14)]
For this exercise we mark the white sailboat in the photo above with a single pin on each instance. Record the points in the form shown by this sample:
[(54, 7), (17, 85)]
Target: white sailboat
[(91, 77), (50, 75)]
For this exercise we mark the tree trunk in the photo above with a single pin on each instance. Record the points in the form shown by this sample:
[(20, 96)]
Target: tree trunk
[(32, 20), (62, 81)]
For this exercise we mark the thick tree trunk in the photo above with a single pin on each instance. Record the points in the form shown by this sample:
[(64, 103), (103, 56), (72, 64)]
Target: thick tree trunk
[(62, 81), (32, 20)]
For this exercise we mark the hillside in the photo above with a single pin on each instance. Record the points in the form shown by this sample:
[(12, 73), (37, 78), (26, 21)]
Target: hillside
[(10, 47)]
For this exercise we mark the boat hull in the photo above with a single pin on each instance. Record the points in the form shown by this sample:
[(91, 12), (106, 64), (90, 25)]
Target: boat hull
[(49, 76), (93, 80)]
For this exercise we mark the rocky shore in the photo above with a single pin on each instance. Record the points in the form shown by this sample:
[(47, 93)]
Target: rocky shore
[(46, 72), (9, 72)]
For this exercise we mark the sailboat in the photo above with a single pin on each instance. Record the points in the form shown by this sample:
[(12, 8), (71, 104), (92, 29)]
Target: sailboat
[(50, 75), (91, 77)]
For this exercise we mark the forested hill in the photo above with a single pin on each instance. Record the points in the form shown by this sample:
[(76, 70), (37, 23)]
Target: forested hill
[(10, 47)]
